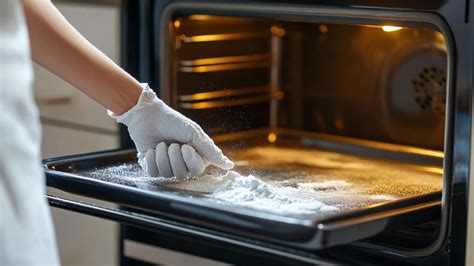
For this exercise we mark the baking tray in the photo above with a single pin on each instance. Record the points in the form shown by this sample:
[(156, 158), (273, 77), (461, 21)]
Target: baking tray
[(354, 197)]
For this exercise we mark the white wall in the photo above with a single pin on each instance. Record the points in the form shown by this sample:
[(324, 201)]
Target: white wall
[(73, 124)]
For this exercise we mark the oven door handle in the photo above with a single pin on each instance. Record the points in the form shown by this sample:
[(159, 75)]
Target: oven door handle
[(115, 215), (122, 216)]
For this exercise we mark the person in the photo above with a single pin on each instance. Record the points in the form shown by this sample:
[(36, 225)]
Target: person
[(168, 143)]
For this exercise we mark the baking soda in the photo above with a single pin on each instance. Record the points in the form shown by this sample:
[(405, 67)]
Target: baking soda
[(249, 191), (288, 181)]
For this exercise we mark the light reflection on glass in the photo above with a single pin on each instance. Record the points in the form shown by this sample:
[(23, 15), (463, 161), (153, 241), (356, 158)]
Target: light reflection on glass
[(391, 28)]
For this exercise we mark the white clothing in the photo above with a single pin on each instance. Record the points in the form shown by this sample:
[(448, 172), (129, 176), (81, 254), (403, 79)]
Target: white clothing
[(26, 230)]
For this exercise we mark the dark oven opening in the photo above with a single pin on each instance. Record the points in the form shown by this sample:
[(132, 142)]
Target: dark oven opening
[(371, 93)]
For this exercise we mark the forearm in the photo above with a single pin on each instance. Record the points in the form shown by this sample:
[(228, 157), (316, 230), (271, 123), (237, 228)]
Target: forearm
[(58, 47)]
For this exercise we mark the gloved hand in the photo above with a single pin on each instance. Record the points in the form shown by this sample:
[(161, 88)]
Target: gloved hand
[(152, 125)]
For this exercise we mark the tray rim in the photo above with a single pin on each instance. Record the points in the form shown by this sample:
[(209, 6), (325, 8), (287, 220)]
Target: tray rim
[(318, 227)]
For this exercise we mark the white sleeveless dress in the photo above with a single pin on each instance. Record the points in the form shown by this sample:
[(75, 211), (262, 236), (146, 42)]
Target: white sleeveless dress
[(26, 230)]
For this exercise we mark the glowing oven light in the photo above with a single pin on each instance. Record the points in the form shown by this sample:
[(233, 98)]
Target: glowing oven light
[(390, 28), (272, 137), (280, 32)]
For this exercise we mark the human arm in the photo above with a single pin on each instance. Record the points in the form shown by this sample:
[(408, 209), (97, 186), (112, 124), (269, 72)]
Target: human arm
[(167, 142), (59, 47)]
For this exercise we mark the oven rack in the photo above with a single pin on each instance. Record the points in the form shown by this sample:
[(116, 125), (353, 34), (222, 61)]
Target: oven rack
[(225, 97), (223, 37)]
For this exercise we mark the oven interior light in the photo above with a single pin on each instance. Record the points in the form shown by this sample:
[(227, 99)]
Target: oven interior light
[(280, 32), (177, 23), (390, 28), (272, 137), (200, 17), (323, 28), (278, 95)]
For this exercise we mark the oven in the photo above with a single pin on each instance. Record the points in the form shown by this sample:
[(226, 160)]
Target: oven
[(356, 113)]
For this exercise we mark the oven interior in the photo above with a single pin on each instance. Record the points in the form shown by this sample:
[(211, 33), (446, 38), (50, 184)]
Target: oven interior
[(282, 96), (382, 83)]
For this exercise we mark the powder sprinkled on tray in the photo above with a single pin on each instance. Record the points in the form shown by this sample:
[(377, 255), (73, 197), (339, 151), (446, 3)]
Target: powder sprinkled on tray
[(249, 191)]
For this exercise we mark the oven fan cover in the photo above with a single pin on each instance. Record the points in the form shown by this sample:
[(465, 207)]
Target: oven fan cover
[(413, 94)]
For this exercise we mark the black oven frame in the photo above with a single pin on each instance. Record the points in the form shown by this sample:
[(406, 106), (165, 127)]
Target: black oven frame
[(144, 55), (326, 15)]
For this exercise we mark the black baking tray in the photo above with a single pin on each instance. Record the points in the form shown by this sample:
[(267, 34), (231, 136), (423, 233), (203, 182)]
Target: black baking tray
[(412, 193)]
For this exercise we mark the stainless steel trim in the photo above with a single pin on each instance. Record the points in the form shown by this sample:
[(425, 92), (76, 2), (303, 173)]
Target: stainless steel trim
[(223, 37), (224, 67), (224, 93), (470, 224), (225, 60), (275, 77), (172, 51), (225, 103), (377, 216), (354, 16), (470, 208)]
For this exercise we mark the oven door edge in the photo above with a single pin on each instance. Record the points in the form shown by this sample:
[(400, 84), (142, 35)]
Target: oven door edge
[(159, 224)]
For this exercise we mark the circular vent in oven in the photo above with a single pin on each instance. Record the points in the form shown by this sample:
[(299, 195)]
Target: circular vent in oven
[(430, 89), (413, 93)]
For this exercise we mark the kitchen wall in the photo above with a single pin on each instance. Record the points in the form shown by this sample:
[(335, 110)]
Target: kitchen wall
[(72, 124)]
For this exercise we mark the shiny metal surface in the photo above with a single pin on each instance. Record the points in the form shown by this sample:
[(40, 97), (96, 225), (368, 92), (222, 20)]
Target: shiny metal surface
[(275, 73), (223, 37), (470, 210), (343, 181), (356, 187), (225, 93), (226, 60), (223, 67), (224, 103), (312, 138)]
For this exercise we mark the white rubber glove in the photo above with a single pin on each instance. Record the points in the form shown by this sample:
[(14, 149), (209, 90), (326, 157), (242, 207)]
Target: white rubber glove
[(152, 125)]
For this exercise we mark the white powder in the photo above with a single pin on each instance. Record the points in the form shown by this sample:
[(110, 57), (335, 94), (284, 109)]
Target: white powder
[(249, 191), (383, 197), (325, 185)]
